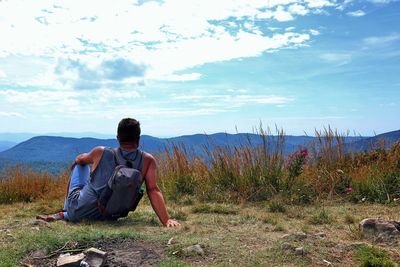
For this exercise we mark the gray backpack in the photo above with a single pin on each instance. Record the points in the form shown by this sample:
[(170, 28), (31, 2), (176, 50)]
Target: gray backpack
[(123, 191)]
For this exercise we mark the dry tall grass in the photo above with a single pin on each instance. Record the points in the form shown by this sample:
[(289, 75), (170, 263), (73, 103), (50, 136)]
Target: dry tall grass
[(324, 169), (246, 172), (22, 184)]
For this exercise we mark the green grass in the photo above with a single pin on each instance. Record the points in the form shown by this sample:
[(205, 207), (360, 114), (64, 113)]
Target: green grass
[(277, 207), (215, 208), (321, 216), (178, 214), (373, 257), (172, 262), (247, 235), (349, 219)]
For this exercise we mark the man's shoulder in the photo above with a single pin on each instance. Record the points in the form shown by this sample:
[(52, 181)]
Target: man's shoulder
[(148, 158), (98, 150)]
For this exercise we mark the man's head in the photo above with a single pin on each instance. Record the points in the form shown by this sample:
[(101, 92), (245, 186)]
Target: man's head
[(128, 131)]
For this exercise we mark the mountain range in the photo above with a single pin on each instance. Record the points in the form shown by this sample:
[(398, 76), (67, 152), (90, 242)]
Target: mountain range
[(51, 153)]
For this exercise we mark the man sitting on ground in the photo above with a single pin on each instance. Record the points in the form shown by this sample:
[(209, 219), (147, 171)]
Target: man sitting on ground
[(87, 183)]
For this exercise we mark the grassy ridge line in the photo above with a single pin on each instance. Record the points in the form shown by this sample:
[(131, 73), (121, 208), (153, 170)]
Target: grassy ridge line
[(325, 169)]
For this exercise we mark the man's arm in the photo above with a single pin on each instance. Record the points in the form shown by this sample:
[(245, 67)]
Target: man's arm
[(155, 195), (92, 157)]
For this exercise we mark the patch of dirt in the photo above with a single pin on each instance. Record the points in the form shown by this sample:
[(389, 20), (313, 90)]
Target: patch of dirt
[(130, 253), (120, 252)]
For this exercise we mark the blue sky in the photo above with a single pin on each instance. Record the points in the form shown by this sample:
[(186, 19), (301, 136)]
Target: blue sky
[(185, 67)]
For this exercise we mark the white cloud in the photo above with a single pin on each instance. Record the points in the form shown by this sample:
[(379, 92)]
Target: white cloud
[(105, 95), (166, 37), (382, 40), (342, 6), (281, 15), (338, 58), (314, 32), (297, 9), (89, 73), (382, 1), (229, 101), (2, 74), (11, 114), (38, 97), (358, 13), (182, 77), (319, 3)]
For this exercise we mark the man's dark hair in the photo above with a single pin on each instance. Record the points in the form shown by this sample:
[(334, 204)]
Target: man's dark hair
[(128, 131)]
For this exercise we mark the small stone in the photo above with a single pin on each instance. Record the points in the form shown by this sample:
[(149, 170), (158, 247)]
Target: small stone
[(95, 251), (95, 257), (299, 251), (170, 241), (10, 236), (70, 260), (300, 235), (285, 236), (194, 250), (84, 264), (286, 246), (321, 234), (41, 253), (35, 228)]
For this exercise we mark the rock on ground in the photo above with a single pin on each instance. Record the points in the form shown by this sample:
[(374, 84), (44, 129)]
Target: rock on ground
[(286, 246), (300, 235), (70, 260), (372, 228), (299, 251), (95, 257), (193, 250)]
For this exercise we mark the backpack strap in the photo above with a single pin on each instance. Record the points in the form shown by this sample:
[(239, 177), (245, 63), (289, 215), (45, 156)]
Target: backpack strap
[(121, 160), (140, 164)]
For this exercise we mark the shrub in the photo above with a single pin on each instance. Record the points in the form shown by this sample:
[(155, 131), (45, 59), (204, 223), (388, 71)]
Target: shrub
[(373, 257), (276, 207), (322, 216)]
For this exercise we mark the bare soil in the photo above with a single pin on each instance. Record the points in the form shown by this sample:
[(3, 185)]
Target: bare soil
[(120, 253)]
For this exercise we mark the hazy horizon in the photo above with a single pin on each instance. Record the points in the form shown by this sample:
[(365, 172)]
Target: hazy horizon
[(111, 136)]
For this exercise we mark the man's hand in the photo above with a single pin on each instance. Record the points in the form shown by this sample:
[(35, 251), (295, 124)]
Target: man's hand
[(172, 223)]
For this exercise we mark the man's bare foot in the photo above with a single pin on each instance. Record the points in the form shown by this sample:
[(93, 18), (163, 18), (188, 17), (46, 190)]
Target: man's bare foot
[(52, 217)]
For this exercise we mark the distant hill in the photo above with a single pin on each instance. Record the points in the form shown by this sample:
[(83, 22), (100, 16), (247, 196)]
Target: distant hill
[(386, 139), (52, 153), (20, 137), (4, 145)]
